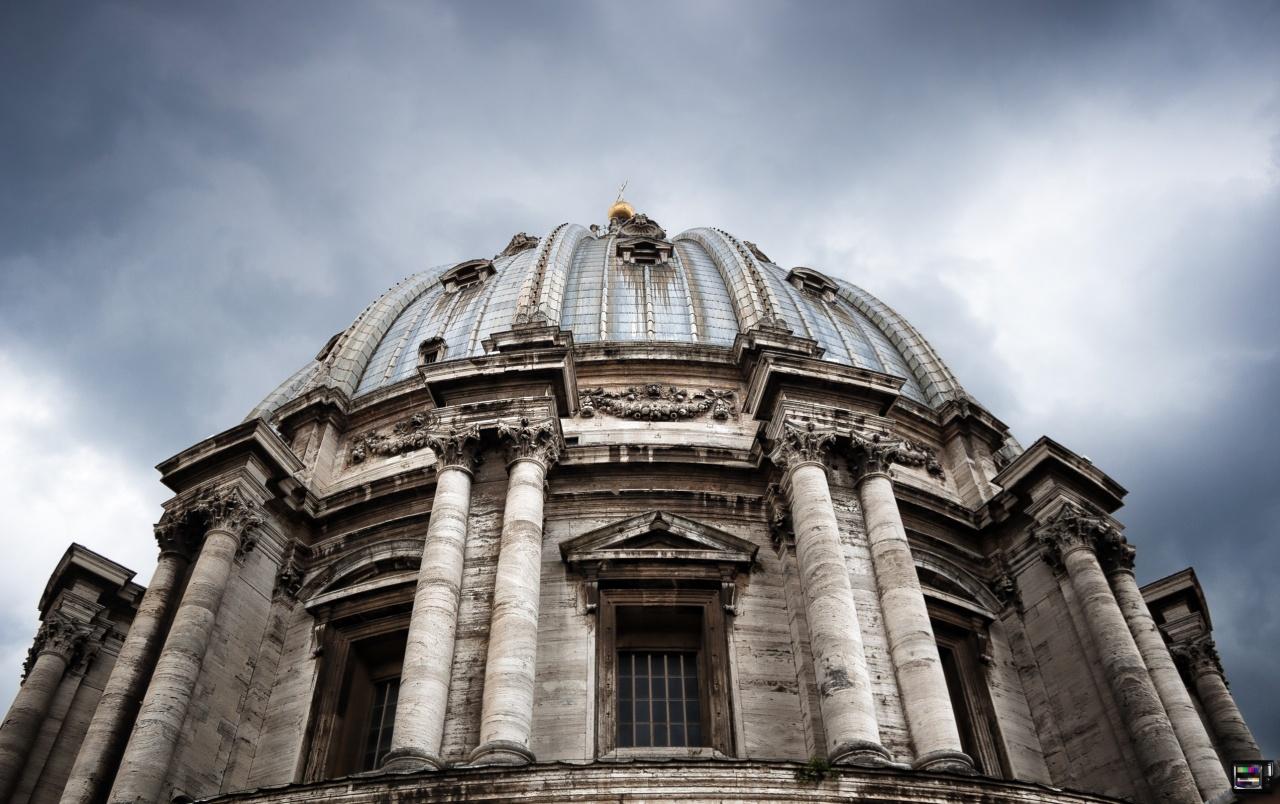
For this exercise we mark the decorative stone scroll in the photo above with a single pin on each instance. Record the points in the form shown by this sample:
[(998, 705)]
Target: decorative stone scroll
[(520, 241), (290, 575), (537, 440), (655, 402), (58, 634)]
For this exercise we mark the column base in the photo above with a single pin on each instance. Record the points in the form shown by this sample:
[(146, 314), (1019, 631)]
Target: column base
[(945, 761), (500, 752), (409, 760), (862, 753)]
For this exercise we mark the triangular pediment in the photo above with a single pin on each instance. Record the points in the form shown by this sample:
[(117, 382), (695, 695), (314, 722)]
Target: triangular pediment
[(658, 536)]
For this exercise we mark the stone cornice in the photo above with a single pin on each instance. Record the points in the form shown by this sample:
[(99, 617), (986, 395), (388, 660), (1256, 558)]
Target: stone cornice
[(217, 454), (537, 440), (1047, 457)]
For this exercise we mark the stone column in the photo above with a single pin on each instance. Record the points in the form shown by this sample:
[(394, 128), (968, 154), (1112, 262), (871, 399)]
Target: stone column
[(1211, 780), (1069, 541), (507, 713), (230, 517), (433, 625), (906, 618), (57, 642), (844, 686), (1234, 738), (104, 741)]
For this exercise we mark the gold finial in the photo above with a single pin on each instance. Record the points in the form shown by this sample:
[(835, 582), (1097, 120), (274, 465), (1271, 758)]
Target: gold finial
[(621, 210)]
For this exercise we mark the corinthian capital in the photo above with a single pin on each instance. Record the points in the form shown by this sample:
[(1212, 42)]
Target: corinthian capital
[(873, 453), (1071, 529), (173, 535), (228, 510), (1200, 656), (456, 446), (801, 443), (538, 440), (1114, 551), (58, 635)]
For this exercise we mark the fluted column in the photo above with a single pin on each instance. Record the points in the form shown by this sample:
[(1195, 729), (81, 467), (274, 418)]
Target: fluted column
[(229, 516), (433, 624), (57, 642), (1069, 542), (1117, 559), (507, 713), (912, 646), (1234, 737), (835, 637), (108, 730)]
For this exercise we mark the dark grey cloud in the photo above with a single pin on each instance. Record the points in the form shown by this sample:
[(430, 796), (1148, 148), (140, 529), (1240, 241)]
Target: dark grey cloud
[(192, 199)]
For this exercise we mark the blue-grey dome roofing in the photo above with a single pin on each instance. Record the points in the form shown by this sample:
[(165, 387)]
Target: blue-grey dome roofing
[(712, 287)]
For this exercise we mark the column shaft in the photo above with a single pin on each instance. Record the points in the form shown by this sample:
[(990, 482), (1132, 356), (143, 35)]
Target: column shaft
[(844, 686), (1187, 726), (108, 730), (433, 626), (507, 713), (22, 724), (1157, 748), (1234, 737), (155, 735), (911, 642)]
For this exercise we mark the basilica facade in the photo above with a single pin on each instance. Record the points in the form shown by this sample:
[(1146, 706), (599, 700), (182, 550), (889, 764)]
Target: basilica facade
[(618, 515)]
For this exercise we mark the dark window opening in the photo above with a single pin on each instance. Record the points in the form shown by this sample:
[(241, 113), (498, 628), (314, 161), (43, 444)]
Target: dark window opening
[(382, 720), (959, 637)]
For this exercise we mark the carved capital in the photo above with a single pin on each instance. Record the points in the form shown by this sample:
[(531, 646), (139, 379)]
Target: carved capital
[(1070, 529), (801, 443), (174, 536), (58, 635), (874, 453), (457, 446), (1114, 551), (1199, 656), (539, 441)]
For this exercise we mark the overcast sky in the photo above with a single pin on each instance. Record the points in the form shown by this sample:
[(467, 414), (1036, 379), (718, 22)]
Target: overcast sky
[(1079, 206)]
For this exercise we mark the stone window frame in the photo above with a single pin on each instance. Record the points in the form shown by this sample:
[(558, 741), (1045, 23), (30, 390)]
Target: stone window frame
[(379, 613), (713, 666), (662, 559), (966, 636)]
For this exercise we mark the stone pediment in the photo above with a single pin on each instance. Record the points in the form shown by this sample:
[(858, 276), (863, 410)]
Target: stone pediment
[(658, 536)]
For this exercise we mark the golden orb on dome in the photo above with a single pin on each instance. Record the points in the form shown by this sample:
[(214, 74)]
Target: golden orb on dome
[(621, 211)]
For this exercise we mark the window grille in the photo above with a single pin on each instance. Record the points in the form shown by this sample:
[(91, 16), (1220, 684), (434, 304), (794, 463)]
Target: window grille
[(658, 699), (381, 721)]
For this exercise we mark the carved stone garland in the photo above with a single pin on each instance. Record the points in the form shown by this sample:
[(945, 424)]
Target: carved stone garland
[(655, 402), (406, 436)]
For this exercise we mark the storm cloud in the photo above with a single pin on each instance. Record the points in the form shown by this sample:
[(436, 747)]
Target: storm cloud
[(1078, 204)]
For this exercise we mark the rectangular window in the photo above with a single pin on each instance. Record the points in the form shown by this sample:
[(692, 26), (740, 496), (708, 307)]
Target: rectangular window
[(382, 719), (663, 670), (658, 700)]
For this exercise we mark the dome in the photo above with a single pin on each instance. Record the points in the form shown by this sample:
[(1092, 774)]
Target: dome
[(625, 284)]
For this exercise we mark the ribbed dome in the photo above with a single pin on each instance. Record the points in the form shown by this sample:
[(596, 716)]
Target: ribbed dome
[(624, 284)]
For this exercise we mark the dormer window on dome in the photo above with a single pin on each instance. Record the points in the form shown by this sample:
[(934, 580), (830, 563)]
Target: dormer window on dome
[(641, 241), (814, 282), (465, 274)]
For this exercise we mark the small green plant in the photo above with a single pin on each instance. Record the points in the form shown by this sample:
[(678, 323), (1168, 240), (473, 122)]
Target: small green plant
[(815, 770)]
